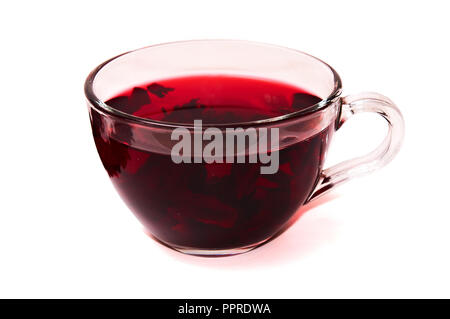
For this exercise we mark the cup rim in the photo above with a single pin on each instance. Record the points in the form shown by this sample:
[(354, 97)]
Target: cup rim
[(101, 106)]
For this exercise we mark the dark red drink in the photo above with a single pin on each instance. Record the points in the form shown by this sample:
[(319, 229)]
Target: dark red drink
[(213, 206)]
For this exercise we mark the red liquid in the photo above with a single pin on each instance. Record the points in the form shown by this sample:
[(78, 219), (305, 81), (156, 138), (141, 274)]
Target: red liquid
[(218, 205)]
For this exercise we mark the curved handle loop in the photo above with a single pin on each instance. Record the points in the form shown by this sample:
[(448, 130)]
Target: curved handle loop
[(383, 154)]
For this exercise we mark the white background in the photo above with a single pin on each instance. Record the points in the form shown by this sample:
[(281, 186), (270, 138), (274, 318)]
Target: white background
[(64, 231)]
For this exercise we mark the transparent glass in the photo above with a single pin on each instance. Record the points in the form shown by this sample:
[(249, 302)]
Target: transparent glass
[(181, 205)]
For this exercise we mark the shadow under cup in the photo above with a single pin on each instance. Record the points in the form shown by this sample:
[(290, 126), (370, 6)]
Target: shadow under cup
[(214, 209)]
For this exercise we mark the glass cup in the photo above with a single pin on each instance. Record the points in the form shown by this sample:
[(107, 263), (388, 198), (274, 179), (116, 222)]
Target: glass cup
[(219, 209)]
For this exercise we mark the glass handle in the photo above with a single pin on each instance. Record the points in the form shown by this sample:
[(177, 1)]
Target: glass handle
[(383, 154)]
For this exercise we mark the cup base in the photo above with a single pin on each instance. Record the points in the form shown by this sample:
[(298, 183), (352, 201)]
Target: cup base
[(214, 253), (199, 252)]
